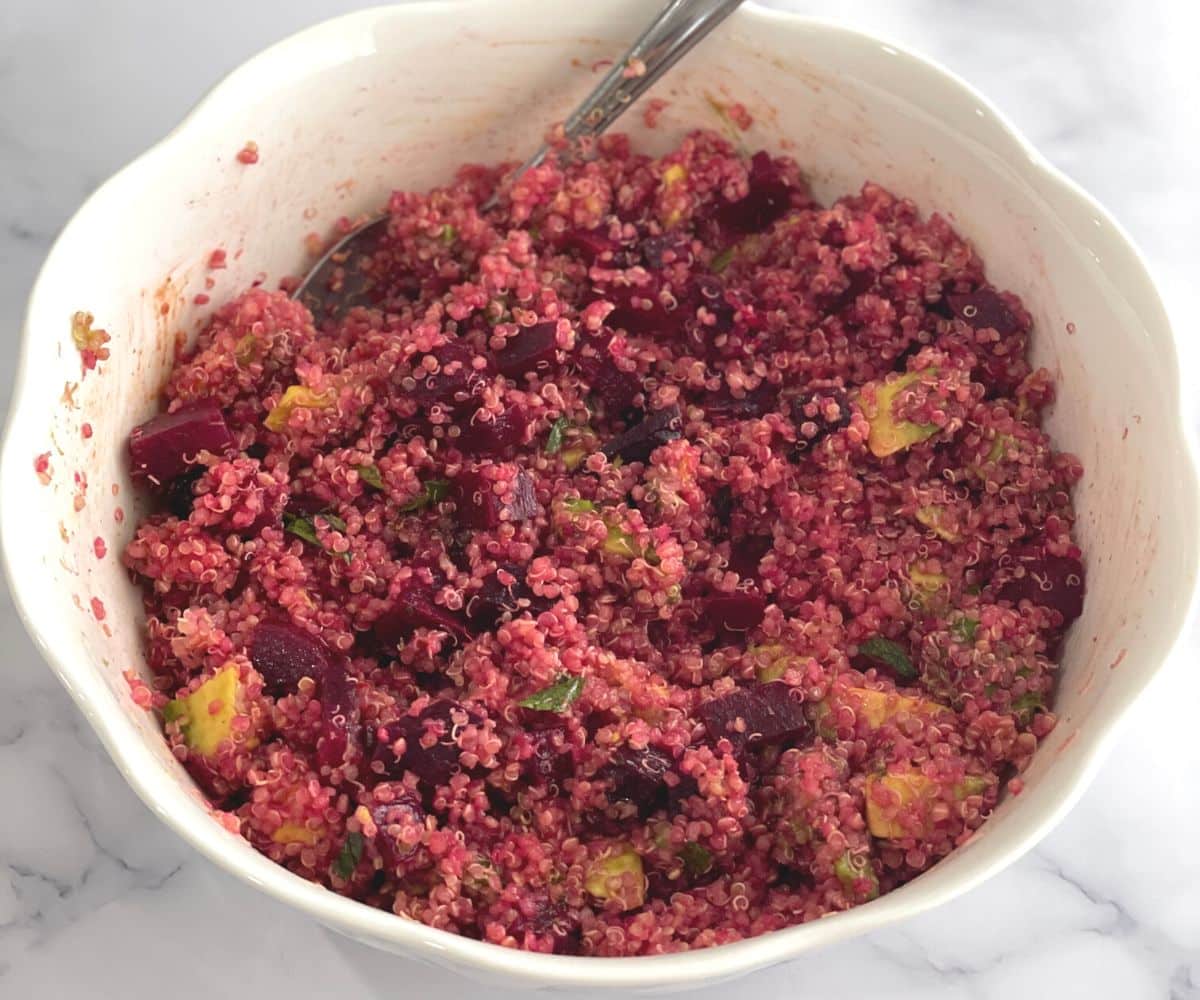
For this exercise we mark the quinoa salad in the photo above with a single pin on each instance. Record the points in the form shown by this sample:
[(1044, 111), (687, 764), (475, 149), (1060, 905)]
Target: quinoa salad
[(650, 560)]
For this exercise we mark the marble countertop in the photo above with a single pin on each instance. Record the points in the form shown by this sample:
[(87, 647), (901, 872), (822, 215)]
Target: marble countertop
[(97, 898)]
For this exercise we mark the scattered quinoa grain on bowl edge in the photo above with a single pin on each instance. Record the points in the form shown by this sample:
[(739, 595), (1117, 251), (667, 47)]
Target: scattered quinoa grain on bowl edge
[(657, 559)]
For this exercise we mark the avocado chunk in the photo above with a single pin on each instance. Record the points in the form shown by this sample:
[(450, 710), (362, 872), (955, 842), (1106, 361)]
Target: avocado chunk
[(206, 715), (926, 584), (937, 518), (907, 788), (888, 433), (857, 876), (878, 707), (294, 833), (618, 876)]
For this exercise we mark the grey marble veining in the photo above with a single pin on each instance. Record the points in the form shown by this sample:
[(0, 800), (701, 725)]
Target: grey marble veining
[(96, 897)]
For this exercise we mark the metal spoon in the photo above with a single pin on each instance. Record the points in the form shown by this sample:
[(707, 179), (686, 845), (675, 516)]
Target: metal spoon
[(339, 281)]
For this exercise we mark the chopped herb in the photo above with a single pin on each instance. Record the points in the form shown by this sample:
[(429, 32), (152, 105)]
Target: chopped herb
[(301, 527), (1027, 706), (621, 543), (577, 506), (890, 653), (573, 458), (554, 440), (964, 629), (433, 491), (557, 697), (335, 522), (173, 710), (722, 260), (697, 859), (448, 234), (370, 475), (349, 856)]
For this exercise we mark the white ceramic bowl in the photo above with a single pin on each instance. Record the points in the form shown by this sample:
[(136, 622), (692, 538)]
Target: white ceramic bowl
[(397, 97)]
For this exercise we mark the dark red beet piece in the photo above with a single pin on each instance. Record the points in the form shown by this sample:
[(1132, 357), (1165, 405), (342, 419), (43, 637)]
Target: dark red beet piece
[(523, 504), (1052, 581), (984, 308), (532, 349), (746, 553), (475, 503), (414, 609), (817, 414), (284, 653), (766, 713), (738, 612), (721, 405), (768, 199), (615, 388), (433, 764), (502, 593), (456, 382), (338, 740), (179, 497), (553, 760), (164, 446), (393, 820), (542, 925), (637, 443), (589, 244), (637, 776), (669, 248), (494, 434)]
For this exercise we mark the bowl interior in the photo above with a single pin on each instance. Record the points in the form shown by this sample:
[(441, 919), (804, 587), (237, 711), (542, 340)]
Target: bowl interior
[(397, 99)]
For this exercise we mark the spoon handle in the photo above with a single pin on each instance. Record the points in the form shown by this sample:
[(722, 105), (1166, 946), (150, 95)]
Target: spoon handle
[(674, 32)]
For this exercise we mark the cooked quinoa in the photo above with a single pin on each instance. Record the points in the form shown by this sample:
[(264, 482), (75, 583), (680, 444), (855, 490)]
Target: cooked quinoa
[(656, 559)]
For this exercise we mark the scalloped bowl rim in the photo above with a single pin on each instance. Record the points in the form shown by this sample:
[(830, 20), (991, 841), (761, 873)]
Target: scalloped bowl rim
[(418, 940)]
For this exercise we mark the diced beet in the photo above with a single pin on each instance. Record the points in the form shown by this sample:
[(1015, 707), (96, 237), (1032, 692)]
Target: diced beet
[(284, 653), (637, 776), (502, 593), (817, 414), (669, 248), (532, 349), (984, 308), (396, 822), (679, 791), (164, 446), (746, 717), (338, 740), (738, 612), (721, 404), (543, 925), (637, 443), (747, 552), (494, 434), (722, 502), (476, 504), (179, 496), (639, 308), (553, 761), (457, 380), (768, 199), (589, 244), (414, 609), (523, 504), (857, 282), (1052, 581), (433, 764), (615, 388)]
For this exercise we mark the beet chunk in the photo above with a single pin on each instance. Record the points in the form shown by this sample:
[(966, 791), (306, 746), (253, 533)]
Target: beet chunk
[(637, 443), (434, 763), (494, 433), (721, 405), (338, 739), (637, 776), (746, 553), (395, 823), (414, 609), (533, 349), (457, 380), (543, 925), (502, 593), (615, 388), (1052, 581), (817, 414), (180, 497), (738, 612), (984, 308), (768, 199), (164, 446), (284, 653), (523, 505), (475, 503), (589, 244), (766, 713), (553, 761)]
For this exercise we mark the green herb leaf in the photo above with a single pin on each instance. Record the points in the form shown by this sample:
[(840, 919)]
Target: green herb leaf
[(696, 858), (1027, 706), (557, 697), (173, 710), (577, 506), (448, 234), (554, 440), (891, 653), (432, 491), (335, 522), (301, 527), (349, 856), (722, 260), (964, 629), (370, 475)]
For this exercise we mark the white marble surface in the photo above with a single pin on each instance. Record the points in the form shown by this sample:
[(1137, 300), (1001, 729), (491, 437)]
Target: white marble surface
[(98, 900)]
